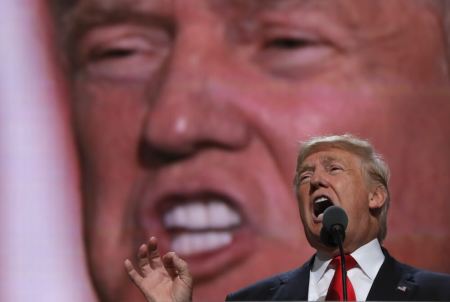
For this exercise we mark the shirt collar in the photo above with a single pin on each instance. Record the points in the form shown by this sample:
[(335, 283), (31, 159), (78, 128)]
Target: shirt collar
[(319, 266), (369, 257)]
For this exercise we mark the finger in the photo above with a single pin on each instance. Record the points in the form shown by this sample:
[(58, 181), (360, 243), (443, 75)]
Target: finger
[(153, 254), (182, 269), (134, 275), (169, 264), (143, 259), (177, 267)]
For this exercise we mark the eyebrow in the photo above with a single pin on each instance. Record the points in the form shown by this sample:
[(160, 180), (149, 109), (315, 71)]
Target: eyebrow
[(259, 4), (80, 19), (247, 8), (325, 160), (305, 168)]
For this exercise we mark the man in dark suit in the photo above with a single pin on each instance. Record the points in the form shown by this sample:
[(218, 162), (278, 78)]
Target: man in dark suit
[(342, 171), (394, 282)]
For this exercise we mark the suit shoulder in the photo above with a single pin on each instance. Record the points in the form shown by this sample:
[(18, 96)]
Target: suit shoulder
[(432, 280), (425, 278), (263, 290), (428, 285)]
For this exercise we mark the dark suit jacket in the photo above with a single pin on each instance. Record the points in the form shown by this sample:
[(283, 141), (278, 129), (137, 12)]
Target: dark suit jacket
[(394, 282)]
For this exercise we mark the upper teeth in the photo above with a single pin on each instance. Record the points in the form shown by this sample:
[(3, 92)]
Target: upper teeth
[(321, 199), (202, 215)]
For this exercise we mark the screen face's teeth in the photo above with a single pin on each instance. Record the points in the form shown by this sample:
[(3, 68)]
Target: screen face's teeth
[(202, 215), (192, 243), (200, 226)]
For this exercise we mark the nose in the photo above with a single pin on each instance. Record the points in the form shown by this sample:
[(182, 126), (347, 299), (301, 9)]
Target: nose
[(318, 181), (192, 111)]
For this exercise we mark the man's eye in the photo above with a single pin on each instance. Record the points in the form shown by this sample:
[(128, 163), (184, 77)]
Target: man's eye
[(293, 55), (112, 53), (287, 43), (305, 177), (335, 168), (132, 61), (122, 51)]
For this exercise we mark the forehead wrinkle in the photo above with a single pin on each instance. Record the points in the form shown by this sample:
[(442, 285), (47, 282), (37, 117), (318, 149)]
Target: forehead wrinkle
[(327, 159)]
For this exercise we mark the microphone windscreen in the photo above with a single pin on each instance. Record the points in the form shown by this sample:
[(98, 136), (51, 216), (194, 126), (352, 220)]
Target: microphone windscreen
[(334, 216)]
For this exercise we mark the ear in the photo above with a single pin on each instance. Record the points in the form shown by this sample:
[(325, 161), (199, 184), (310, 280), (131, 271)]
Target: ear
[(377, 197)]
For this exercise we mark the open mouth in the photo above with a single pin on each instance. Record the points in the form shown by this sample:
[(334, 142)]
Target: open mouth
[(205, 218), (320, 204), (201, 225)]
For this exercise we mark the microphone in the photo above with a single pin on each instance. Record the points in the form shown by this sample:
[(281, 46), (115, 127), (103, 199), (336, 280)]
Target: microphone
[(334, 224)]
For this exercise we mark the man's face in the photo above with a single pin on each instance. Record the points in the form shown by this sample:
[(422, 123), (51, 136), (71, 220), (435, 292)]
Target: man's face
[(336, 177), (188, 113)]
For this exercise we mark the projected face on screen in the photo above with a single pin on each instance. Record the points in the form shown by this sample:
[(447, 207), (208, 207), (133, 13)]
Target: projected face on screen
[(188, 115)]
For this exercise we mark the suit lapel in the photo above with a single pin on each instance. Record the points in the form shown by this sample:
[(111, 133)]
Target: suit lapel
[(393, 282)]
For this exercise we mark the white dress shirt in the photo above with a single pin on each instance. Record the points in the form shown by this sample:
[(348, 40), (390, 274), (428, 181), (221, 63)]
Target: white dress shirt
[(369, 258)]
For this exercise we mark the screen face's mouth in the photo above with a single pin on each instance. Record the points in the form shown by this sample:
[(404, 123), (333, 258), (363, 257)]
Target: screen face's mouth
[(201, 225)]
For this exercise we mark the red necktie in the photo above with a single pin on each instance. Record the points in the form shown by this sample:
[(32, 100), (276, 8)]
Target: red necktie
[(335, 290)]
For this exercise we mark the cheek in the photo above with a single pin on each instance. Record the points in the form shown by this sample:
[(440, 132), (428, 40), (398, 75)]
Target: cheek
[(303, 201), (358, 205), (109, 122), (352, 195)]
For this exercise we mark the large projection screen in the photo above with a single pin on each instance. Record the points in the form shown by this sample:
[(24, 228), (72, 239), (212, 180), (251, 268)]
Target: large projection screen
[(182, 119)]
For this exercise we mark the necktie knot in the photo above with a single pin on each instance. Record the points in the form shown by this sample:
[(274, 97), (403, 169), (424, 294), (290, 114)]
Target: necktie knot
[(350, 262), (335, 291)]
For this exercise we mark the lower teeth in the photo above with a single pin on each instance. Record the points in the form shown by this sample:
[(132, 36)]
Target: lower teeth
[(192, 243)]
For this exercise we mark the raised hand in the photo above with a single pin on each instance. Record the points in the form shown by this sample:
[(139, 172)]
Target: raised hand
[(160, 279)]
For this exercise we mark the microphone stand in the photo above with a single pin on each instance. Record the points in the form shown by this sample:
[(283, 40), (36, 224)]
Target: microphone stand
[(337, 232)]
